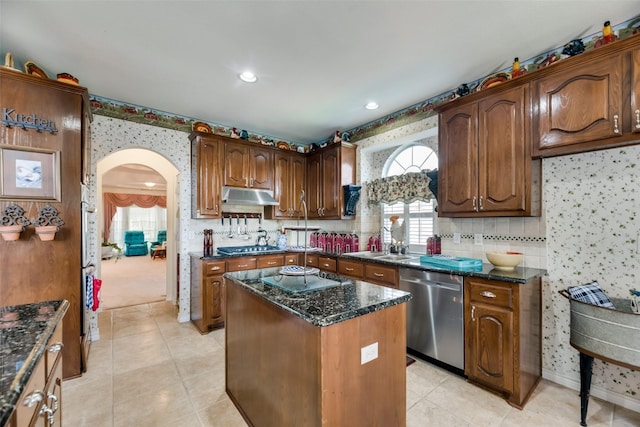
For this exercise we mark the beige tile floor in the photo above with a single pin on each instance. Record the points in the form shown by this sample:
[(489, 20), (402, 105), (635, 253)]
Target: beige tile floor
[(149, 370)]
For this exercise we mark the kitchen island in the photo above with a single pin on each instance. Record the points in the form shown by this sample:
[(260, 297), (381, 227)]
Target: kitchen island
[(27, 360), (331, 356)]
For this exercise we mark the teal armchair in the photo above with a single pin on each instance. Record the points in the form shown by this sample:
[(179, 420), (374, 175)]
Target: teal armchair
[(134, 243), (162, 237)]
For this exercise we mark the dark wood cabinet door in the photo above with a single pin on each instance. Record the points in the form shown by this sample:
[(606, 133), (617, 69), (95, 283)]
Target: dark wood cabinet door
[(314, 185), (331, 184), (502, 162), (209, 185), (236, 165), (261, 168), (288, 184), (490, 353), (458, 162), (635, 91), (297, 181), (579, 105), (214, 297), (282, 186)]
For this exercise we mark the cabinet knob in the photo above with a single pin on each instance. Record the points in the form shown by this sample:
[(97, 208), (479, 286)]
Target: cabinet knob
[(487, 294), (473, 313), (33, 399), (616, 130), (215, 268), (348, 268), (271, 262), (55, 348), (637, 113), (481, 207), (378, 274), (474, 203)]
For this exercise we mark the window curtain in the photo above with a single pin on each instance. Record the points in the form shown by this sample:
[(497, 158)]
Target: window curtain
[(407, 188), (112, 201)]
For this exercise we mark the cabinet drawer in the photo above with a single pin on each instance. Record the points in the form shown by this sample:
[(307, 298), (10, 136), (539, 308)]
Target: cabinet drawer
[(387, 276), (242, 263), (351, 268), (312, 260), (212, 268), (291, 259), (490, 293), (267, 261), (36, 384), (327, 264), (53, 353)]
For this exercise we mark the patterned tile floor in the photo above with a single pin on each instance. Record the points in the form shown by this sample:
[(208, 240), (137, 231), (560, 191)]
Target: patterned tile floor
[(149, 370)]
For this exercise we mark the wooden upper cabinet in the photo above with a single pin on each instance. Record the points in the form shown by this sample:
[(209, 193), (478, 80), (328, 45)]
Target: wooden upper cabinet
[(577, 106), (248, 167), (288, 184), (458, 161), (485, 166), (327, 171), (205, 156), (588, 102)]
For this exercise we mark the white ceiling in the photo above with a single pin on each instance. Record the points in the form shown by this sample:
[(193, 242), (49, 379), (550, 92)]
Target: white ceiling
[(318, 62)]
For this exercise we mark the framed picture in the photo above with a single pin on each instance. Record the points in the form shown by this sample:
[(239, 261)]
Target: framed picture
[(29, 173)]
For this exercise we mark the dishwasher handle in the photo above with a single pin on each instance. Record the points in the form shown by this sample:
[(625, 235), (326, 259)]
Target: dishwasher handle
[(431, 283)]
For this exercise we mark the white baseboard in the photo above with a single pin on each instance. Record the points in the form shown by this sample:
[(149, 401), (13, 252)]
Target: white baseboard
[(601, 393)]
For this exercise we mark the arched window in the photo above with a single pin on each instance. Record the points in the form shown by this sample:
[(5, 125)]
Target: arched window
[(419, 216)]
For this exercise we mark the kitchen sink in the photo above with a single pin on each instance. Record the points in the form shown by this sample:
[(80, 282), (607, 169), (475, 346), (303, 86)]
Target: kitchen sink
[(398, 257), (367, 254)]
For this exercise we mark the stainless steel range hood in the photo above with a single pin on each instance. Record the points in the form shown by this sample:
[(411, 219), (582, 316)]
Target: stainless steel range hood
[(248, 196)]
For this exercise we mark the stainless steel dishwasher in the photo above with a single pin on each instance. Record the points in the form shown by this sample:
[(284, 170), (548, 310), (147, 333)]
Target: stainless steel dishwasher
[(435, 315)]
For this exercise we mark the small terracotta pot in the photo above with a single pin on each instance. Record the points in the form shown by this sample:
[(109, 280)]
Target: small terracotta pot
[(10, 232), (47, 233)]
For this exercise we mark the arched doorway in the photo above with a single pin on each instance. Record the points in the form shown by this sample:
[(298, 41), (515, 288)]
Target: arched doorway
[(170, 175)]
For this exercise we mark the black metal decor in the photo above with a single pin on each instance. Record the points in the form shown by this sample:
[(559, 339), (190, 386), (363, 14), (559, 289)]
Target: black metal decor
[(586, 369), (351, 197)]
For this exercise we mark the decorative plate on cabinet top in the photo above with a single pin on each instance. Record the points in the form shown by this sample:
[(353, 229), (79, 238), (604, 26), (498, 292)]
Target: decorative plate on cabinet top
[(32, 68), (202, 127), (67, 78), (492, 80)]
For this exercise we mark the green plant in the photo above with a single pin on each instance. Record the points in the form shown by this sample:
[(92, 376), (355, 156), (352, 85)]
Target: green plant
[(113, 245)]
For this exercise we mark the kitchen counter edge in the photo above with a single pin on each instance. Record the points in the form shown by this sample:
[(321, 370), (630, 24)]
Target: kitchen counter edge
[(9, 400)]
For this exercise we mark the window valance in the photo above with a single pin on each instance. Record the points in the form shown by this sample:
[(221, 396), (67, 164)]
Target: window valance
[(407, 188), (115, 200)]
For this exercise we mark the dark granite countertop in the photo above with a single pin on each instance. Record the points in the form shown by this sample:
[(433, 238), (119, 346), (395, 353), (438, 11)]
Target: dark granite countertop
[(488, 271), (326, 306), (24, 333)]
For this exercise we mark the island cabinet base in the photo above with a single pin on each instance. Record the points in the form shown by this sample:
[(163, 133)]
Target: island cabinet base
[(284, 371)]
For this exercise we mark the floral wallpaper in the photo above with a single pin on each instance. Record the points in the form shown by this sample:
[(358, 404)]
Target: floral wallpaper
[(592, 234), (109, 135)]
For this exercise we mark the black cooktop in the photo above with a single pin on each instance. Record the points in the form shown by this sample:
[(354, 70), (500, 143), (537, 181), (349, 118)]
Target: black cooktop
[(254, 249)]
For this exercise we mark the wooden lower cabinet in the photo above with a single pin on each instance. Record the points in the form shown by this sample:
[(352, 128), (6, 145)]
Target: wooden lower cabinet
[(381, 275), (207, 294), (503, 336), (44, 389), (352, 269), (208, 288)]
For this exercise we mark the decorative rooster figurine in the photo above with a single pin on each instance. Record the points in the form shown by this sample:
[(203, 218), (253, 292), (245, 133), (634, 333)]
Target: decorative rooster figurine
[(336, 137), (235, 134)]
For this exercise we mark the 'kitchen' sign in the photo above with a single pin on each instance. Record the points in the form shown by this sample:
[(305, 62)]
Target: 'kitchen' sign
[(11, 118)]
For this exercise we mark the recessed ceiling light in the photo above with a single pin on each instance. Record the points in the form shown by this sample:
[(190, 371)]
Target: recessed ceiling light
[(371, 105), (150, 184), (248, 77)]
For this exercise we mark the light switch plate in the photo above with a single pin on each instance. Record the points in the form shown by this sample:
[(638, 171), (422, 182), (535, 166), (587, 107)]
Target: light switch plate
[(369, 353), (477, 239), (456, 238)]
